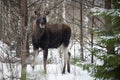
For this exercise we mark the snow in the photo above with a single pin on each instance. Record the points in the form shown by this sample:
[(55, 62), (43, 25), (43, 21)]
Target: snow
[(107, 37), (3, 48), (99, 11), (54, 73), (54, 68)]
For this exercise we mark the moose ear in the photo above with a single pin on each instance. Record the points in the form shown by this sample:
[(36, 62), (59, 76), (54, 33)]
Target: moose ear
[(35, 12)]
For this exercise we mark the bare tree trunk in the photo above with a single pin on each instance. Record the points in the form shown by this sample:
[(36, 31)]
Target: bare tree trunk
[(64, 11), (92, 26), (24, 42), (81, 31), (0, 20)]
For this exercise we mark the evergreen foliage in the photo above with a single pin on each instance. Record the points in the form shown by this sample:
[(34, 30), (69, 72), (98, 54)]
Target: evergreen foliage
[(109, 68)]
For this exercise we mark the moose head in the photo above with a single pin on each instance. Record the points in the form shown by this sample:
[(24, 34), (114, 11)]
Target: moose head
[(41, 19)]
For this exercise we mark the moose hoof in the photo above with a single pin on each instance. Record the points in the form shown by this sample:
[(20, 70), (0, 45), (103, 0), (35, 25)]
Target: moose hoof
[(63, 72), (69, 70)]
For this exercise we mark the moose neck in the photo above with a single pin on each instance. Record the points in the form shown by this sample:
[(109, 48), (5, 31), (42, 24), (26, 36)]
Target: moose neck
[(38, 32)]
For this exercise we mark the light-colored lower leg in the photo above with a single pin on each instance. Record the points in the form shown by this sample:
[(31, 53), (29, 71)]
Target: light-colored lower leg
[(65, 51), (60, 50), (35, 54)]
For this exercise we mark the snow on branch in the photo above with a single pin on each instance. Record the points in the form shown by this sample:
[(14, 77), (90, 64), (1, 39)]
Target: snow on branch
[(7, 56), (100, 11), (115, 37)]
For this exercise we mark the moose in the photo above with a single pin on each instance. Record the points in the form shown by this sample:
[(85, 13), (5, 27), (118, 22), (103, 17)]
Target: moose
[(46, 36)]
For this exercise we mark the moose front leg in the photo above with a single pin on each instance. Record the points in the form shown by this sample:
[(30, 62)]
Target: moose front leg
[(45, 54), (35, 54)]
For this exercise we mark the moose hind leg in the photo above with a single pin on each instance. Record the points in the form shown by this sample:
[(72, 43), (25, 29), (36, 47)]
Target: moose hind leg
[(45, 54), (65, 51), (68, 62)]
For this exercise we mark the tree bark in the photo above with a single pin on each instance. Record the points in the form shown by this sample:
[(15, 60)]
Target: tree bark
[(91, 33), (24, 42), (81, 32), (0, 20)]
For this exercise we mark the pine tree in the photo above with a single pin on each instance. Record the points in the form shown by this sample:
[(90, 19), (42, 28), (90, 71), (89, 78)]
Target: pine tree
[(109, 39)]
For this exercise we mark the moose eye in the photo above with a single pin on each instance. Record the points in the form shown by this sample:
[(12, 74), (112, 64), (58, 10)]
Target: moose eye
[(38, 21), (44, 19)]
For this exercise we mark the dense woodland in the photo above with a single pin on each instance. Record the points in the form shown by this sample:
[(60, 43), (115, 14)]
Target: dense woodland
[(95, 26)]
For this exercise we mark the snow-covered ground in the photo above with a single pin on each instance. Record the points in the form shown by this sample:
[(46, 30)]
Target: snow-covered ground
[(54, 68), (54, 73)]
